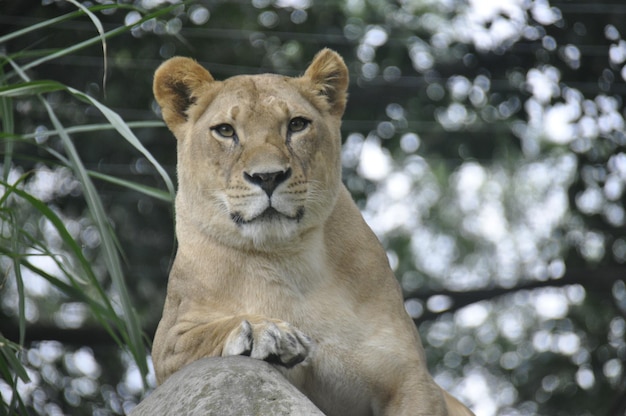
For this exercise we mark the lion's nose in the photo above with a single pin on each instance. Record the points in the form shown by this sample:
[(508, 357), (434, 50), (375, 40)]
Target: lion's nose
[(268, 181)]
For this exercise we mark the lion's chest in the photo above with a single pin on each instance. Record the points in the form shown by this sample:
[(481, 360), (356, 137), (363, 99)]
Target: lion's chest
[(328, 313)]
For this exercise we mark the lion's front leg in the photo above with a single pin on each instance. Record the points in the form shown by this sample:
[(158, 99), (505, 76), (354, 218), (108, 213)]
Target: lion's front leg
[(192, 337), (273, 341)]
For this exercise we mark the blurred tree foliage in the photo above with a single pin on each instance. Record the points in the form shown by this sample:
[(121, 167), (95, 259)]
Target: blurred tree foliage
[(484, 142)]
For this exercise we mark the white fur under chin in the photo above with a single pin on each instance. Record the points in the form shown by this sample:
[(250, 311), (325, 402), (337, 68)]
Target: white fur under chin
[(265, 234)]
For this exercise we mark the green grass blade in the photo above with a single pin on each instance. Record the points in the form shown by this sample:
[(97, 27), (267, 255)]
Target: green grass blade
[(104, 315), (102, 309), (115, 121), (96, 22), (53, 21), (123, 129), (7, 351), (123, 326), (144, 189), (64, 234), (11, 369), (19, 282), (30, 88), (91, 41), (133, 332), (87, 128), (8, 127)]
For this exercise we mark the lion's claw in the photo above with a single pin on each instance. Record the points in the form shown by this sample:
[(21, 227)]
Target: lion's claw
[(274, 342)]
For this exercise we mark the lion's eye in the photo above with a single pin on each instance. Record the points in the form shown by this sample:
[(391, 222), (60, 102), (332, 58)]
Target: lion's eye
[(224, 130), (298, 124)]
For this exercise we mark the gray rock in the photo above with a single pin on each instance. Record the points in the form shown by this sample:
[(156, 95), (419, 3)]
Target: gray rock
[(237, 386)]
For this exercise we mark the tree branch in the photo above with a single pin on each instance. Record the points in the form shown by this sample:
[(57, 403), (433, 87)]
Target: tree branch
[(593, 280)]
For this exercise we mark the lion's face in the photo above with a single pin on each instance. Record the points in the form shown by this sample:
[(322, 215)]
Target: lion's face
[(258, 156)]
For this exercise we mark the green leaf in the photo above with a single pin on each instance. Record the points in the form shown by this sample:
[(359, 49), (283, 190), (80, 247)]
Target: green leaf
[(133, 333), (8, 352), (37, 87), (123, 129), (53, 21), (101, 308), (144, 189), (86, 128), (30, 88), (91, 41)]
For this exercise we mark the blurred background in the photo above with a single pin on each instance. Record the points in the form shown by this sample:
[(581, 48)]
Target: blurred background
[(484, 142)]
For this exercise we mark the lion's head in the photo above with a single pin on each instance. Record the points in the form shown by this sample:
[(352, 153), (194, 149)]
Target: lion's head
[(258, 155)]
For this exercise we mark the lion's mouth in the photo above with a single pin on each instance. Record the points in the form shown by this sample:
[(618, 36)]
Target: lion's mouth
[(269, 215)]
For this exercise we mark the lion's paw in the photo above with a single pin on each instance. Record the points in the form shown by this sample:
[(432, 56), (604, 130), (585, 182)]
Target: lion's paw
[(274, 342)]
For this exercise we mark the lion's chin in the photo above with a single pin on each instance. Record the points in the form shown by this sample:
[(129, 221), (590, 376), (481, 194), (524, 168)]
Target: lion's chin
[(270, 228)]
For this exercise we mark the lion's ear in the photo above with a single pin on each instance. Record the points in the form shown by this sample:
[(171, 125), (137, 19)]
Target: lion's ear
[(177, 83), (329, 75)]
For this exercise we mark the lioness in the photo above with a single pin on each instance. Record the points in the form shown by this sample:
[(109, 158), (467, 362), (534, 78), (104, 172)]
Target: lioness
[(274, 259)]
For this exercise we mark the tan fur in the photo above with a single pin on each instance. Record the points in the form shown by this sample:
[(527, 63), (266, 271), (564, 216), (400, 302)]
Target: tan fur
[(306, 284)]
